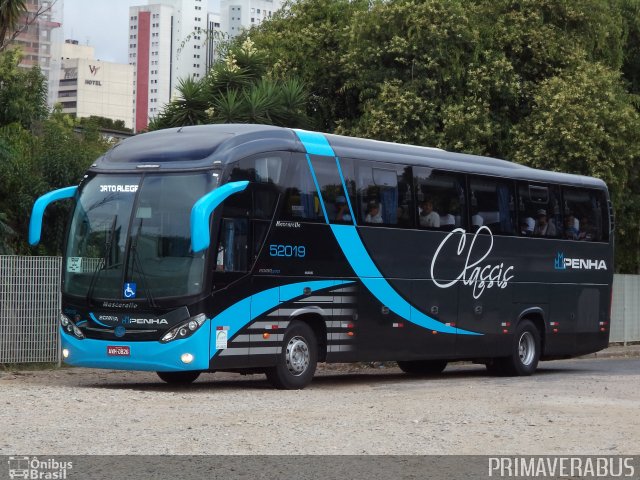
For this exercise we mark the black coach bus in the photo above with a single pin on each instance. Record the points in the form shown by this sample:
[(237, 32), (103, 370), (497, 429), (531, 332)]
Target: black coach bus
[(261, 249)]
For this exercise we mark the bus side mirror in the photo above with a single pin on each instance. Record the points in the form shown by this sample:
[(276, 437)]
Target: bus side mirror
[(35, 223), (202, 210)]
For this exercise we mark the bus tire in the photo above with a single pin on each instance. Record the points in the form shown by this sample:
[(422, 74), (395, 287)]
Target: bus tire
[(179, 378), (525, 351), (297, 362), (422, 367)]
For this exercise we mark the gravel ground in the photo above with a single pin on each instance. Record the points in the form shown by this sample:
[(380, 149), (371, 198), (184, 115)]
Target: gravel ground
[(570, 407)]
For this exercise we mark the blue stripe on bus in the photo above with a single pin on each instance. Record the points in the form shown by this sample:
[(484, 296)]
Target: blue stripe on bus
[(368, 273), (163, 357), (315, 143), (241, 313), (360, 260)]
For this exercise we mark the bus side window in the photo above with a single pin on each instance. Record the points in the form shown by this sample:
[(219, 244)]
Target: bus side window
[(440, 199), (384, 194), (336, 202), (539, 210), (492, 205), (585, 215), (264, 173), (300, 199)]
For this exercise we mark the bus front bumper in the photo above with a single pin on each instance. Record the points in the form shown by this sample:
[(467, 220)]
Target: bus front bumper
[(191, 353)]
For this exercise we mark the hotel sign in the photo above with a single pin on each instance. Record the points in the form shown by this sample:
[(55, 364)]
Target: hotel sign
[(93, 69)]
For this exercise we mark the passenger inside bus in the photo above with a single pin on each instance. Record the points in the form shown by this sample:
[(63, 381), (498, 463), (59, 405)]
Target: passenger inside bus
[(428, 217), (570, 229), (527, 226), (373, 213), (543, 228), (342, 209)]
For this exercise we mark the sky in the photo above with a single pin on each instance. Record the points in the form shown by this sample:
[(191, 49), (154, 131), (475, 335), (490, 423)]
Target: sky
[(104, 24)]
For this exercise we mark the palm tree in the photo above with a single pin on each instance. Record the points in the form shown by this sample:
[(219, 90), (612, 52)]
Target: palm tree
[(11, 12), (237, 89)]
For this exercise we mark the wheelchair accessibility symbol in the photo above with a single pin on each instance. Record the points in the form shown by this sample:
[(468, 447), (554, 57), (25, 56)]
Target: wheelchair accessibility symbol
[(129, 290)]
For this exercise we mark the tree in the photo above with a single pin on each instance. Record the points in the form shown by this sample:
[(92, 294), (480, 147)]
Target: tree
[(23, 93), (236, 90), (11, 12), (584, 121), (15, 18), (32, 162), (549, 83), (307, 40)]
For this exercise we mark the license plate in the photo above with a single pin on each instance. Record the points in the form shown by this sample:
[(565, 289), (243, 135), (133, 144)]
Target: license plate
[(118, 351)]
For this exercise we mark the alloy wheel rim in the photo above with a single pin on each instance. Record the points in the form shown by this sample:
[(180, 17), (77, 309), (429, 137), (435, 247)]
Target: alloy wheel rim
[(526, 348), (297, 356)]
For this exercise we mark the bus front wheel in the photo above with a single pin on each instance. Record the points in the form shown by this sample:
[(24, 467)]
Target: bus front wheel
[(422, 367), (525, 352), (179, 378), (298, 359)]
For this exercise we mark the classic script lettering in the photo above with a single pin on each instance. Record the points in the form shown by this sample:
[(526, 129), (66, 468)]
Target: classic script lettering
[(475, 273)]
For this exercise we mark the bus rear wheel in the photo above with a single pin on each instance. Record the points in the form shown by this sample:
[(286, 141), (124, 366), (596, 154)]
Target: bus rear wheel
[(298, 359), (179, 378), (525, 352), (422, 367)]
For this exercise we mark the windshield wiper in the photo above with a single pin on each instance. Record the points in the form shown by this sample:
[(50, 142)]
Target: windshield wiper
[(103, 261), (135, 260)]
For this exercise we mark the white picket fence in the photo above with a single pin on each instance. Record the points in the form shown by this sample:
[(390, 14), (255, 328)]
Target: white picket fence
[(30, 307)]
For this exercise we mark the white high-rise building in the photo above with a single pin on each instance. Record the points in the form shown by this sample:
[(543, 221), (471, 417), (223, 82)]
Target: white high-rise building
[(167, 42), (215, 35), (239, 15), (41, 41)]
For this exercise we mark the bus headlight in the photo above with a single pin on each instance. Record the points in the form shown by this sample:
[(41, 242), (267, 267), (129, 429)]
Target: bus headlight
[(70, 327), (185, 329)]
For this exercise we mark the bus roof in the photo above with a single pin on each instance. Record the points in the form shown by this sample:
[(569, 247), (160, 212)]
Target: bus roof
[(205, 146)]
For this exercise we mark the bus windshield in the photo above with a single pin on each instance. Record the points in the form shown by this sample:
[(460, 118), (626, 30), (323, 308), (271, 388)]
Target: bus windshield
[(129, 237)]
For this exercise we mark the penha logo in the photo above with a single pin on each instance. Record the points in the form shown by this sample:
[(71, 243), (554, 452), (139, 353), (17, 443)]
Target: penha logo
[(563, 263), (481, 276)]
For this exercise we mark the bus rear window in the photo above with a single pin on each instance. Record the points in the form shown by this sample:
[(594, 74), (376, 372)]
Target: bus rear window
[(585, 214)]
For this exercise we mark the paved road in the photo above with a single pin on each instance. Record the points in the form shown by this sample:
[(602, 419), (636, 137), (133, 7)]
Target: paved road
[(586, 406)]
